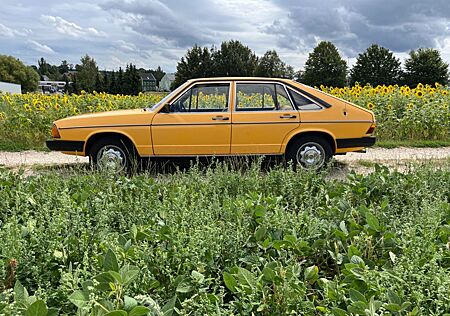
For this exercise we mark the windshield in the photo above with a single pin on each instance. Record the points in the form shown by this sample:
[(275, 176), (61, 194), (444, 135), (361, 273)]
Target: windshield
[(164, 100)]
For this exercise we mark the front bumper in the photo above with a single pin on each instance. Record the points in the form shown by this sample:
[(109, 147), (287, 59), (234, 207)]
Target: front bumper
[(65, 145), (355, 142)]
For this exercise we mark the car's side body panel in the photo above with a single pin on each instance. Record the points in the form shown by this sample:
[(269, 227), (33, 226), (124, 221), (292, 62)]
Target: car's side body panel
[(158, 133)]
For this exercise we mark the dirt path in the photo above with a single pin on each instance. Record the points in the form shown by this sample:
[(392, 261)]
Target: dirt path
[(375, 155)]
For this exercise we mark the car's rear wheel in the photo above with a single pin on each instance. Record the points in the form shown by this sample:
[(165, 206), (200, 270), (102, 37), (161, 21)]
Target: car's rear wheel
[(112, 155), (310, 152)]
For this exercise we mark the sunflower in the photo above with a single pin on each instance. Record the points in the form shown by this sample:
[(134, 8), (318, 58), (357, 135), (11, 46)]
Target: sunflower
[(410, 106), (420, 86), (385, 90), (419, 93), (370, 106), (389, 107), (445, 92)]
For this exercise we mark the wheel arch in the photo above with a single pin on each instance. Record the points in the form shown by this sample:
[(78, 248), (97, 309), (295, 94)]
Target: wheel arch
[(92, 138), (318, 133)]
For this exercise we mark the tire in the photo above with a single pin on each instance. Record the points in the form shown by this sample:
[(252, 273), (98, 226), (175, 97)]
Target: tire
[(112, 155), (310, 153)]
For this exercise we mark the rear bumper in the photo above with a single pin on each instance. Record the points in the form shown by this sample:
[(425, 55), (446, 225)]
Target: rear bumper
[(355, 142), (65, 145)]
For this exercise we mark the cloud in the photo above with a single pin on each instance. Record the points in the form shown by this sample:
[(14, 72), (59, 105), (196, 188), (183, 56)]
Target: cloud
[(355, 25), (9, 32), (70, 28), (42, 48)]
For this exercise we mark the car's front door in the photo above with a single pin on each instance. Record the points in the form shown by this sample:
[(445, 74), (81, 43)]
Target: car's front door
[(197, 123), (262, 117)]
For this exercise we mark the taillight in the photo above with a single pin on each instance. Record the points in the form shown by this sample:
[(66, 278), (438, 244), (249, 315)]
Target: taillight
[(371, 128), (55, 132)]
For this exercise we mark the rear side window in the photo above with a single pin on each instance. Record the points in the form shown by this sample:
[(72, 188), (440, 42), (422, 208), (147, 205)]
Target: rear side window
[(261, 97), (303, 103)]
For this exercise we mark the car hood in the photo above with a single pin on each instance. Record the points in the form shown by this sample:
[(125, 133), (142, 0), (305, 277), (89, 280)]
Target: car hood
[(125, 117)]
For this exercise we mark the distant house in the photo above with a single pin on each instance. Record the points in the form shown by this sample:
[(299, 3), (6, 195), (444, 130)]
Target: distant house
[(166, 81), (10, 87), (148, 82)]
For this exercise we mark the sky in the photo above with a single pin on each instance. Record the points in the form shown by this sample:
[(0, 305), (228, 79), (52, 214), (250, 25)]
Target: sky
[(149, 33)]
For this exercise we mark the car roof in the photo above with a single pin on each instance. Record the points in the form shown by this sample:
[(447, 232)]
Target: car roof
[(240, 79)]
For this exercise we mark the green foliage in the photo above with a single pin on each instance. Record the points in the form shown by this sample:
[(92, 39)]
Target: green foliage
[(13, 70), (86, 73), (197, 63), (376, 66), (270, 65), (325, 66), (234, 59), (426, 66), (225, 241)]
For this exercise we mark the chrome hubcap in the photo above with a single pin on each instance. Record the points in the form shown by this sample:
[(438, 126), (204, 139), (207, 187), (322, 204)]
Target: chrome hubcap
[(311, 156), (111, 158)]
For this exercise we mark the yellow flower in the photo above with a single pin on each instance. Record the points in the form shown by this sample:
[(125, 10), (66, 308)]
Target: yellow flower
[(445, 92), (419, 93), (410, 106), (389, 107), (370, 106), (420, 86)]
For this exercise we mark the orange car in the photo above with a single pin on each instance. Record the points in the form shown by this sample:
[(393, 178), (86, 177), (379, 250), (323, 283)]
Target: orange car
[(222, 116)]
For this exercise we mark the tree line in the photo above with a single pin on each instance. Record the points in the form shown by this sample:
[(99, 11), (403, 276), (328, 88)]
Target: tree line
[(324, 66)]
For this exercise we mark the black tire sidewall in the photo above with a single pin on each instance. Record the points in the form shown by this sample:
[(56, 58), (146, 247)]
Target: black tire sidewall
[(291, 154)]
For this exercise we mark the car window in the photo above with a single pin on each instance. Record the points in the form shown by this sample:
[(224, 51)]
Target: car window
[(284, 103), (261, 97), (303, 103), (203, 98)]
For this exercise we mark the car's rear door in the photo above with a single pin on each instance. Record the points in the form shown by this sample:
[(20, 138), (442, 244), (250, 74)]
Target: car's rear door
[(263, 115), (198, 122)]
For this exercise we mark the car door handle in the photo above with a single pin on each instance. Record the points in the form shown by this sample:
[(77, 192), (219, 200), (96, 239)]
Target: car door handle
[(288, 116), (220, 118)]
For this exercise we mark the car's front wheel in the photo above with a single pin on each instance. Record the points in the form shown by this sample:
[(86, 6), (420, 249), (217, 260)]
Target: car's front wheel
[(111, 155), (310, 152)]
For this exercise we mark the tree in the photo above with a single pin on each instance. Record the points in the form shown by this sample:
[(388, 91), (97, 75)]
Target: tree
[(325, 66), (51, 71), (195, 64), (234, 59), (425, 66), (14, 71), (158, 74), (376, 66), (87, 73), (270, 65)]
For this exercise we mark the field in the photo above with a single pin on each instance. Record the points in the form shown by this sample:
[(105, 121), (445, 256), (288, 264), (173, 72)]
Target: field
[(418, 116), (223, 240)]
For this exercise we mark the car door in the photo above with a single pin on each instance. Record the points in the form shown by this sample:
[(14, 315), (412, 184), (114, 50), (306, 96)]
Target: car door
[(263, 115), (196, 123)]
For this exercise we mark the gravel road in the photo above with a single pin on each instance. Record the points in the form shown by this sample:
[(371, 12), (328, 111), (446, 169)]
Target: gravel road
[(379, 155)]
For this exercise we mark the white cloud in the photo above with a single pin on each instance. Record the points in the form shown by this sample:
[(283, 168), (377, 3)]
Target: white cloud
[(42, 48), (9, 32), (70, 28)]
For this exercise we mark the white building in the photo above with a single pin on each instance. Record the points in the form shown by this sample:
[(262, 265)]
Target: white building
[(166, 81), (50, 87), (10, 87)]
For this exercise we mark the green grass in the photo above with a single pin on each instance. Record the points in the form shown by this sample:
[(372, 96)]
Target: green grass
[(224, 240)]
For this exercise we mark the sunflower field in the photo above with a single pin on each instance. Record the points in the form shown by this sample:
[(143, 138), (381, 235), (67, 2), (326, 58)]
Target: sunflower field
[(402, 113)]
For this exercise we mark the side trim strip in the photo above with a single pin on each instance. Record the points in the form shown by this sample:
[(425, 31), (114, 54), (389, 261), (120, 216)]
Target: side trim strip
[(355, 142), (336, 122), (114, 125)]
